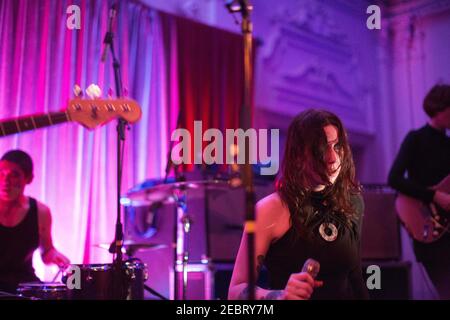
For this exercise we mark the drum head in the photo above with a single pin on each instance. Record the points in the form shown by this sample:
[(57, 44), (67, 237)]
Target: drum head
[(43, 285), (43, 290), (94, 267)]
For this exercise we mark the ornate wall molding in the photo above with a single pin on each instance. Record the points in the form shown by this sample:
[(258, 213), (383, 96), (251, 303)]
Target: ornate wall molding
[(203, 11), (418, 8), (312, 17), (308, 61)]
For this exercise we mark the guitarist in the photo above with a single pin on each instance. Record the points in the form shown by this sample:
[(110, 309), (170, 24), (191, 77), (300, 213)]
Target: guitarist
[(25, 224), (422, 162)]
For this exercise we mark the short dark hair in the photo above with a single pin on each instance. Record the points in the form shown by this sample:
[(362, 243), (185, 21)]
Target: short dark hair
[(22, 159), (437, 100)]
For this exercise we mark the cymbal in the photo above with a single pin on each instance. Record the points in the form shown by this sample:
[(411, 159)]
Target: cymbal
[(165, 193), (133, 246), (144, 246)]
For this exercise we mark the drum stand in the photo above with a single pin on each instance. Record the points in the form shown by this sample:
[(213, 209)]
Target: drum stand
[(130, 255), (181, 234), (154, 292)]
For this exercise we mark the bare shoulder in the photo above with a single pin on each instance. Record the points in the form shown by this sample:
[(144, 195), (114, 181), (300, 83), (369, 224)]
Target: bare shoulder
[(272, 213), (44, 214), (269, 204)]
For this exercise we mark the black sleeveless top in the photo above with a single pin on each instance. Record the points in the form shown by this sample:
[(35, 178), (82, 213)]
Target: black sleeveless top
[(17, 245), (340, 265)]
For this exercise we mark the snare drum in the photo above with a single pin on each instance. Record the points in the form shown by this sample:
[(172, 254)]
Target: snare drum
[(43, 290), (103, 282)]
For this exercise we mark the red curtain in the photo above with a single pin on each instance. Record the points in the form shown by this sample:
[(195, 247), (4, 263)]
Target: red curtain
[(210, 74)]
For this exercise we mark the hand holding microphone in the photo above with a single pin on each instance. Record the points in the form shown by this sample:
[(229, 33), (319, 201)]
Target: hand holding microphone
[(312, 267), (300, 286)]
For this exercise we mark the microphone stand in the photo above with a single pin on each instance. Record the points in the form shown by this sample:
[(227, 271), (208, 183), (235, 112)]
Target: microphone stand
[(120, 289), (169, 163), (245, 121), (181, 227)]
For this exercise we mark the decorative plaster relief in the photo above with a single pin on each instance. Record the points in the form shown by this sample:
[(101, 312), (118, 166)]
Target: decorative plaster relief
[(311, 63)]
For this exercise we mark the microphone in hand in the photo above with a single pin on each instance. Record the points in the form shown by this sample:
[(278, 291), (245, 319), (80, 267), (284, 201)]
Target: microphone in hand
[(300, 286), (312, 267)]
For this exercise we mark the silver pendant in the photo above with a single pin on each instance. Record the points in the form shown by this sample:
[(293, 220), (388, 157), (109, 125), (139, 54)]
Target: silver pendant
[(325, 229)]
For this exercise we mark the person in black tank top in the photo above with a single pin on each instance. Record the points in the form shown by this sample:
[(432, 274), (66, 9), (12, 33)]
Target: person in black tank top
[(315, 213), (25, 224)]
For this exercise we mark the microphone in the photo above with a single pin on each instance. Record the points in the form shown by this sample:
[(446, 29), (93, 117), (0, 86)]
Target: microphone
[(108, 37), (312, 267), (231, 5)]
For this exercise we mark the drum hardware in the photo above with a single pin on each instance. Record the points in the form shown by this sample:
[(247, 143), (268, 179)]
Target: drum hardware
[(99, 281), (9, 296), (176, 192), (43, 290), (130, 248), (154, 292), (183, 229)]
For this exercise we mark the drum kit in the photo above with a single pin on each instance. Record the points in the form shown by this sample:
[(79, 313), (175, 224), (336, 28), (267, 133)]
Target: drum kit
[(100, 281), (96, 283)]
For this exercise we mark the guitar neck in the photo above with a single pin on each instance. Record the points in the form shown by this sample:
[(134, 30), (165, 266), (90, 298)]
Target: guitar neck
[(28, 123)]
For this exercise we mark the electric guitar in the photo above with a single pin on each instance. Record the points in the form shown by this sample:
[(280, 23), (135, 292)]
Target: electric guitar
[(88, 112), (425, 223)]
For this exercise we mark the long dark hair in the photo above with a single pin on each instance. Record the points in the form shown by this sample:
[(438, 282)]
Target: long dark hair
[(304, 166)]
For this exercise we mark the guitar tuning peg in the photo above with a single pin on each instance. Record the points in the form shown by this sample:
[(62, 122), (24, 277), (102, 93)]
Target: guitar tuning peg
[(110, 93), (77, 91), (93, 91)]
